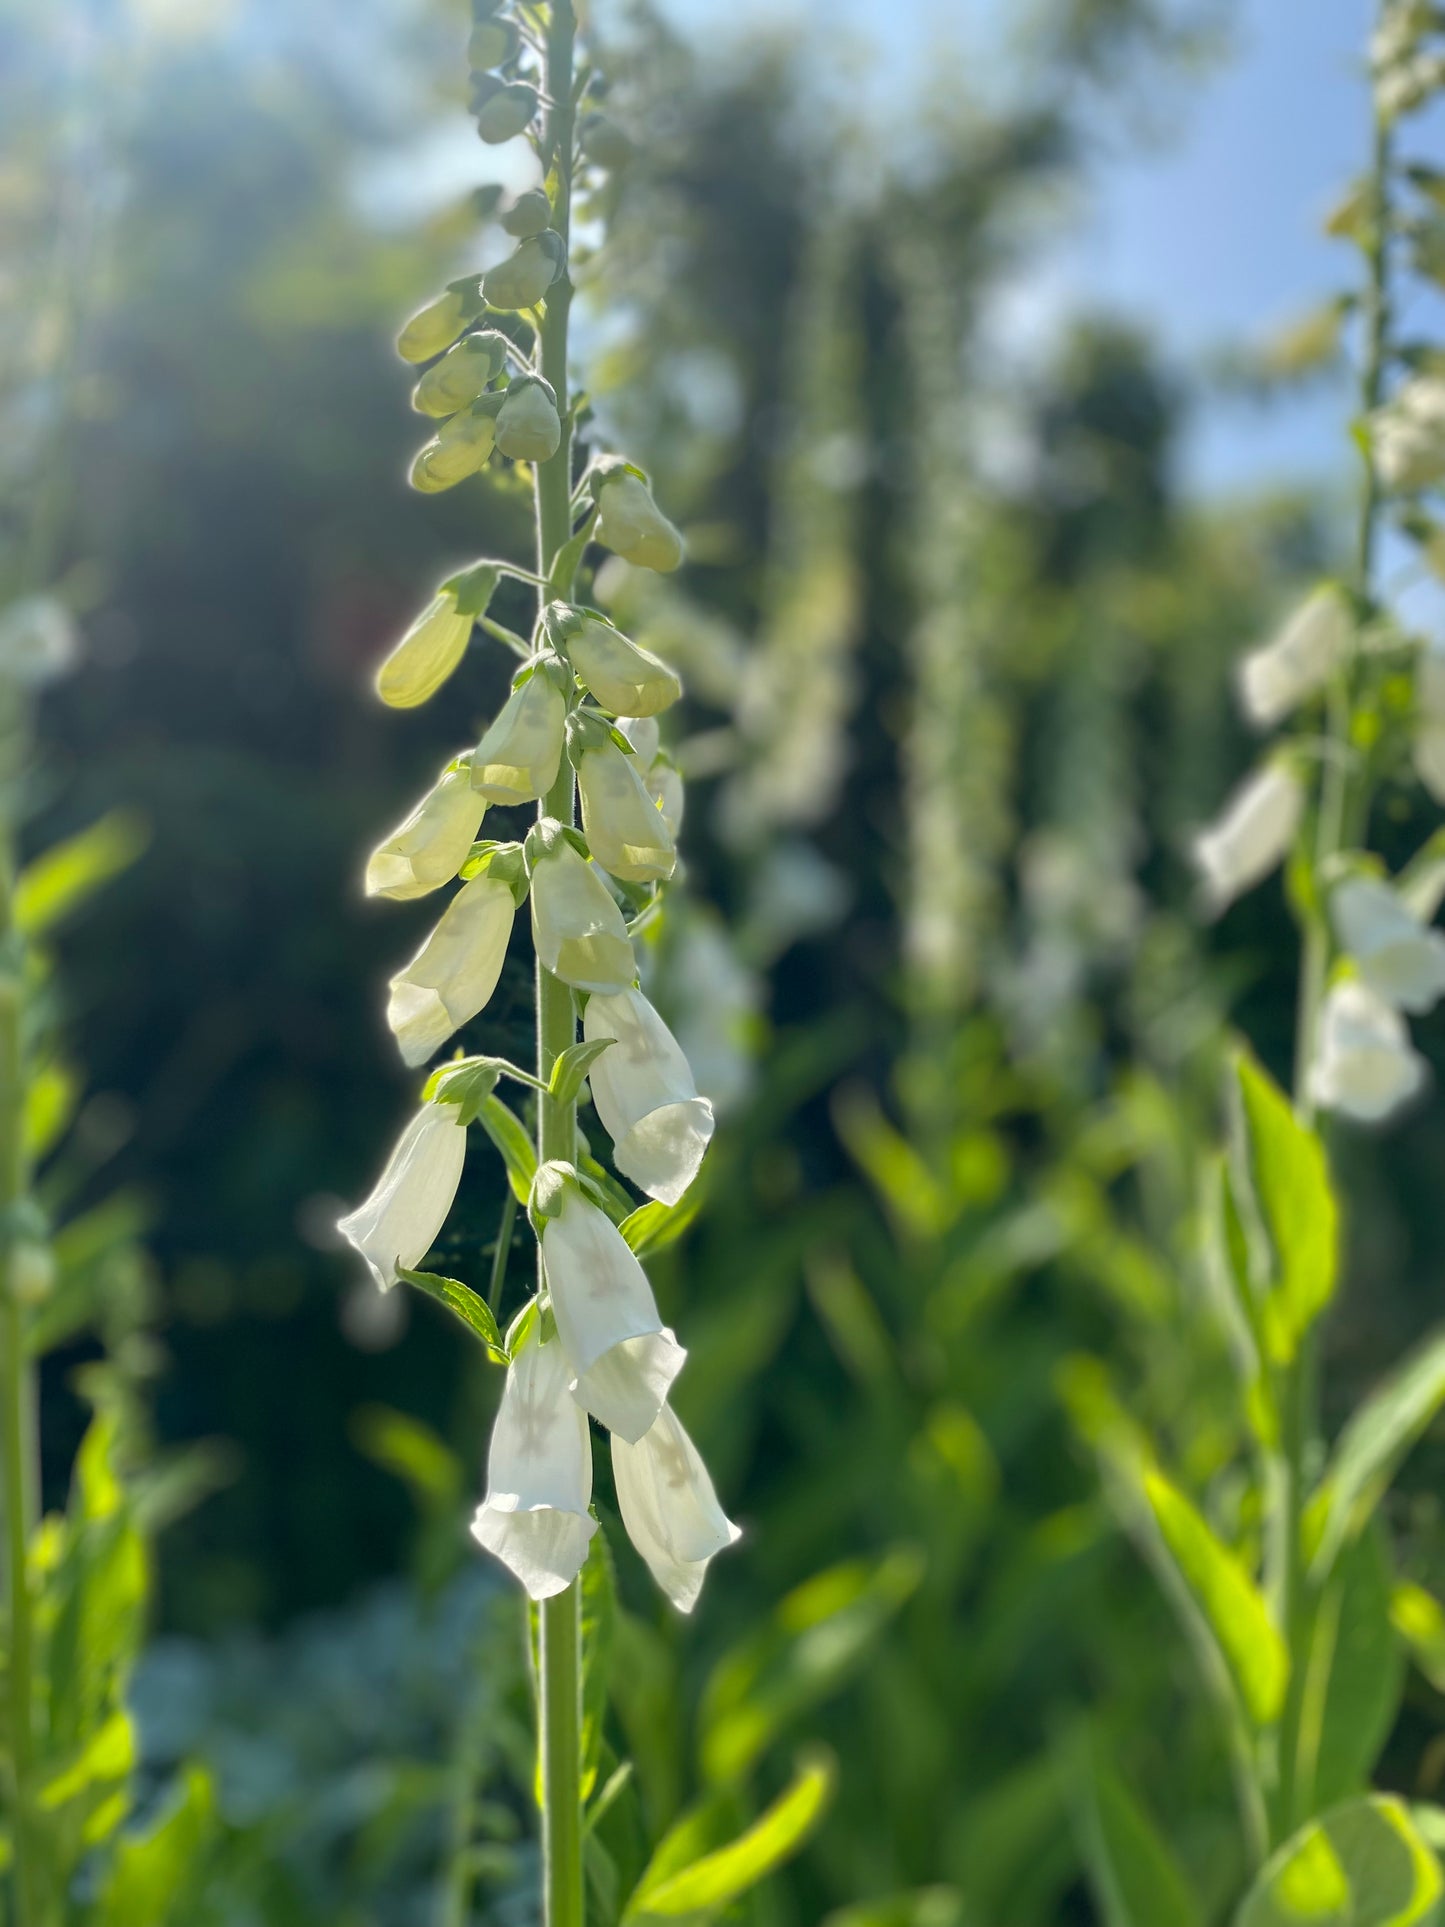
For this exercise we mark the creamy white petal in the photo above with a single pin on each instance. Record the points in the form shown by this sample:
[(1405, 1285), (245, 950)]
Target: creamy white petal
[(1396, 956), (670, 1509), (456, 970), (426, 655), (429, 848), (576, 924), (399, 1222), (665, 787), (1364, 1063), (645, 1096), (624, 827), (518, 758), (630, 523), (535, 1516), (1252, 835), (644, 735), (528, 426), (623, 676), (626, 1386), (1297, 661)]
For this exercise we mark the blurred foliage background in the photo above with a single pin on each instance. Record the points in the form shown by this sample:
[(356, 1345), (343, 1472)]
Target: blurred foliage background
[(957, 652)]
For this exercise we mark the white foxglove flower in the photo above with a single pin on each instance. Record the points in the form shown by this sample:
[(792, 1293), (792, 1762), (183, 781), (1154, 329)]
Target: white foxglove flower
[(670, 1509), (1252, 836), (576, 924), (456, 970), (426, 655), (535, 1516), (664, 786), (518, 758), (1396, 956), (622, 1357), (438, 324), (462, 374), (1364, 1063), (1289, 668), (625, 829), (645, 736), (645, 1096), (1408, 436), (38, 641), (1429, 746), (399, 1222), (624, 677), (631, 524), (434, 841), (528, 271), (459, 448), (529, 428)]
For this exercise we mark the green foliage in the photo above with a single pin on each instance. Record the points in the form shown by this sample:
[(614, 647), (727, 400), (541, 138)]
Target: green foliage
[(1362, 1864), (1135, 1877)]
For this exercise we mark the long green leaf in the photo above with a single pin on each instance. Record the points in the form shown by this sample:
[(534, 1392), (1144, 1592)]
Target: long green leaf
[(61, 878), (1290, 1178), (1135, 1878), (1363, 1864), (508, 1133), (154, 1871), (464, 1304), (1355, 1666), (1419, 1619), (653, 1227)]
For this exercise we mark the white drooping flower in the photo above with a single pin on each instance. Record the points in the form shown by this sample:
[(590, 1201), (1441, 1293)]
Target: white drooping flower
[(625, 829), (1297, 661), (669, 1507), (535, 1516), (576, 924), (456, 970), (622, 1357), (433, 843), (631, 524), (1429, 745), (1364, 1063), (528, 425), (426, 655), (439, 323), (518, 758), (1407, 436), (528, 271), (623, 677), (459, 448), (38, 641), (645, 1096), (1395, 954), (1252, 835), (645, 736), (399, 1222)]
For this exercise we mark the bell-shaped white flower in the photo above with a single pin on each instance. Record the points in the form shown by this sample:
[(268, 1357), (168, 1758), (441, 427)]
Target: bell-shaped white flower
[(529, 428), (624, 677), (439, 323), (669, 1507), (518, 758), (38, 641), (535, 1516), (576, 924), (504, 110), (1364, 1063), (1253, 834), (644, 735), (1297, 661), (665, 787), (426, 655), (631, 524), (1395, 954), (625, 829), (459, 448), (1407, 436), (456, 970), (623, 1358), (645, 1096), (528, 271), (1429, 745), (433, 843), (462, 374), (399, 1222)]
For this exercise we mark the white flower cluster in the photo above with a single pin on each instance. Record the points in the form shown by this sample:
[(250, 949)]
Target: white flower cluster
[(594, 1342)]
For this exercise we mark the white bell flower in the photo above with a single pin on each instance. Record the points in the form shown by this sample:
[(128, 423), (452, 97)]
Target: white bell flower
[(645, 1096), (624, 827), (645, 735), (631, 524), (426, 655), (624, 677), (38, 641), (1395, 954), (459, 448), (535, 1516), (1429, 745), (528, 271), (670, 1509), (1253, 834), (529, 428), (518, 758), (622, 1357), (433, 843), (399, 1222), (1297, 661), (1408, 436), (1364, 1063), (456, 970), (576, 924)]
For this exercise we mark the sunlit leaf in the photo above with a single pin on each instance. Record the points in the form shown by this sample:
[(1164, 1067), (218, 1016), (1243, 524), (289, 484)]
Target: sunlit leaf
[(1135, 1878), (1363, 1864), (60, 880), (464, 1304), (506, 1131), (1289, 1174), (155, 1871)]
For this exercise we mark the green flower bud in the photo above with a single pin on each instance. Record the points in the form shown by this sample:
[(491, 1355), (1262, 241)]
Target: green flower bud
[(503, 109), (492, 44), (460, 449), (437, 326), (518, 758), (528, 214), (604, 142), (426, 655), (624, 827), (525, 276), (461, 375), (528, 425), (630, 523), (624, 678)]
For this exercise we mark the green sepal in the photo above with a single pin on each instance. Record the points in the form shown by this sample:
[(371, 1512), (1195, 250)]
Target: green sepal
[(468, 1083), (606, 467), (590, 729), (464, 1304), (548, 1191), (571, 1068), (504, 861)]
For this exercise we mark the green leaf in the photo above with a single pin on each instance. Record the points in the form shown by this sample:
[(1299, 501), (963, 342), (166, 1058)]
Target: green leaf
[(1419, 1619), (1370, 1448), (155, 1871), (507, 1132), (655, 1226), (413, 1452), (1354, 1647), (1290, 1178), (1133, 1873), (1227, 1599), (50, 1100), (924, 1907), (1230, 1272), (1420, 886), (563, 572), (569, 1070), (599, 1625), (463, 1303), (61, 879), (703, 1889), (108, 1755), (1363, 1864)]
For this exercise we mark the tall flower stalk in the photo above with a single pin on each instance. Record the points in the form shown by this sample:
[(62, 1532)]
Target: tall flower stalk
[(590, 1344)]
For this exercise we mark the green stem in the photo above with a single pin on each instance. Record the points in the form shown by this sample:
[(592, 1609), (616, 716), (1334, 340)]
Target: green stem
[(560, 1651), (1344, 807)]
